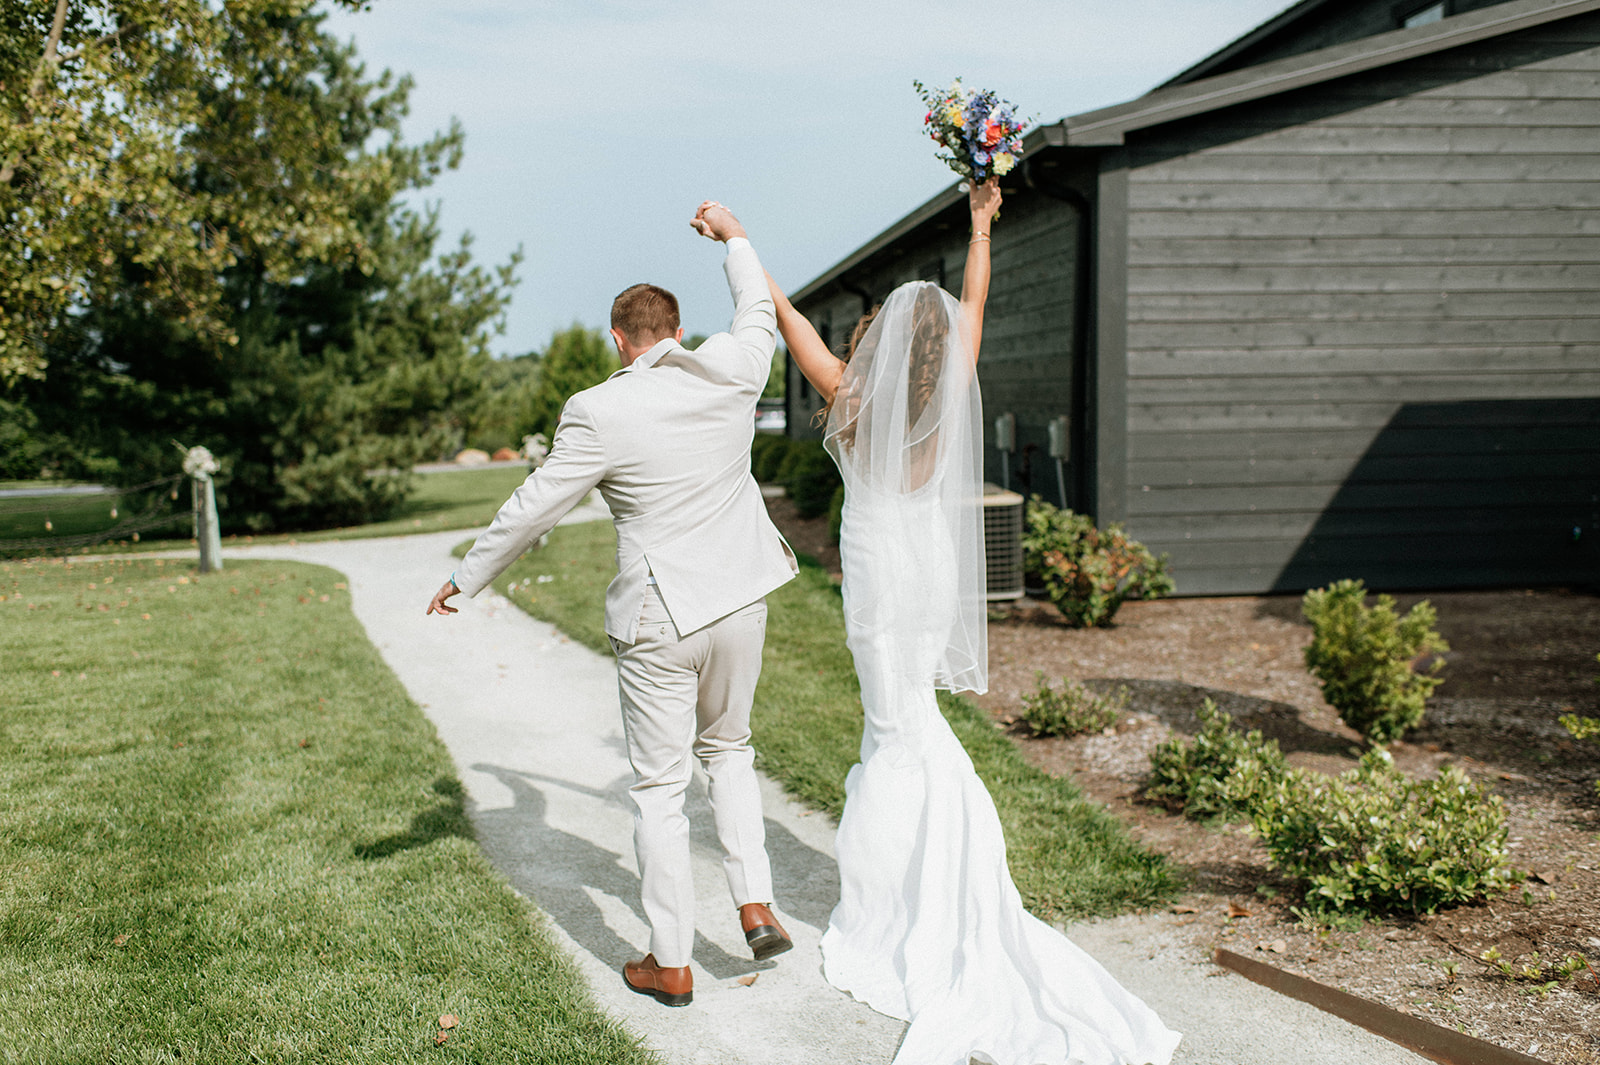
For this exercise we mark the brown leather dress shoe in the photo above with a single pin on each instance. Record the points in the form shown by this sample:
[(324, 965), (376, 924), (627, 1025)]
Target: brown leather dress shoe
[(762, 931), (671, 987)]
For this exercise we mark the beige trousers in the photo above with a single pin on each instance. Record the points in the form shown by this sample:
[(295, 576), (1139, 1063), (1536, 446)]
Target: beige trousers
[(683, 696)]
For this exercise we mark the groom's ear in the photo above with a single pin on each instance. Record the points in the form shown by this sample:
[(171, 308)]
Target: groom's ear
[(678, 336)]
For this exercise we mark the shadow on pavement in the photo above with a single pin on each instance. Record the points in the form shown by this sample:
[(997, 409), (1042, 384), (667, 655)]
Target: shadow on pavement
[(559, 870)]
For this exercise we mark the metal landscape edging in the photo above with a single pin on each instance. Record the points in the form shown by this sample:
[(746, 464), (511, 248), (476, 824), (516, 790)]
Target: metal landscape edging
[(1426, 1038)]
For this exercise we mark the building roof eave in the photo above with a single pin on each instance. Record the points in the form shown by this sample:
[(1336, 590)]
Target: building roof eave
[(1037, 139), (1275, 24), (1109, 126)]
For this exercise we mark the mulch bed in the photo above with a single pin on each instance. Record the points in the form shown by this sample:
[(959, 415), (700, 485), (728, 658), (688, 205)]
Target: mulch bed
[(1519, 659)]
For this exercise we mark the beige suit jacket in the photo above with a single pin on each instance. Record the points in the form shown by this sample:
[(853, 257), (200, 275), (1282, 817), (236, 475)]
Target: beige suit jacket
[(667, 442)]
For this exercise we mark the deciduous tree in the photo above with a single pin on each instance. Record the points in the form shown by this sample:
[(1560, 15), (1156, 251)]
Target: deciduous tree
[(334, 373), (176, 137)]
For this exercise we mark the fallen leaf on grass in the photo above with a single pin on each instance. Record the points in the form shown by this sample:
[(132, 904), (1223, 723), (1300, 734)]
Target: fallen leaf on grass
[(1235, 910), (439, 1039), (1184, 909), (449, 1020), (1277, 946), (748, 980), (119, 940), (1544, 878)]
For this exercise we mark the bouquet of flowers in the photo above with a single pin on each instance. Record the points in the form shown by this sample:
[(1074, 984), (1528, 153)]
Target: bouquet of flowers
[(980, 132)]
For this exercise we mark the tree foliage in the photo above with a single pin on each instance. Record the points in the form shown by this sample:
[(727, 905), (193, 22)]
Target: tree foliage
[(326, 350), (148, 147), (577, 358)]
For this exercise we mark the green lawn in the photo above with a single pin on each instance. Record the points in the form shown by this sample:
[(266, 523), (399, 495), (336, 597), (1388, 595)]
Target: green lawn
[(227, 834), (1069, 858), (453, 499)]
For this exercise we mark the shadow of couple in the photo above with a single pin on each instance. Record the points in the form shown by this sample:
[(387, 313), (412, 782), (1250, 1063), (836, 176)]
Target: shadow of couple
[(562, 871)]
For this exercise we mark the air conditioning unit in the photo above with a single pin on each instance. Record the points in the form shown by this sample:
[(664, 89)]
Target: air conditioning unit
[(1002, 542)]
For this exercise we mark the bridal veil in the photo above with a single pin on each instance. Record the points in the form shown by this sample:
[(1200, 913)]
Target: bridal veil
[(906, 424)]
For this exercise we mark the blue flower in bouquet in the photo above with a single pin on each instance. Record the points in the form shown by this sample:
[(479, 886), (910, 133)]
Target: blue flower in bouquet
[(979, 131)]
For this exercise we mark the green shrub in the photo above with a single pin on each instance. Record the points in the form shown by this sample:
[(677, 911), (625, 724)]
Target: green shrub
[(767, 453), (1218, 774), (1087, 572), (1375, 841), (1366, 658), (576, 358), (1071, 710), (836, 514), (810, 477), (1583, 728)]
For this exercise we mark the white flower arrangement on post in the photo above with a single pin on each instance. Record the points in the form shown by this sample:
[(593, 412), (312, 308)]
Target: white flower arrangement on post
[(200, 464)]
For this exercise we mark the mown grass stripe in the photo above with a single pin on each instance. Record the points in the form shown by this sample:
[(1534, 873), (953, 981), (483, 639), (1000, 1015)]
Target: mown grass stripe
[(227, 834)]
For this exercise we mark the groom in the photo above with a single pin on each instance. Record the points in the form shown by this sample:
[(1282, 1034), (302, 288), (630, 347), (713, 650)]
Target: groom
[(666, 439)]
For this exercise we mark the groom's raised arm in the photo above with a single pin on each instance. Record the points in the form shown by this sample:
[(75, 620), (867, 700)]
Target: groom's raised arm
[(755, 323)]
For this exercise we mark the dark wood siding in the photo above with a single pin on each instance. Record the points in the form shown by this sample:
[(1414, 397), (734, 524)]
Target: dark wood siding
[(1030, 333), (1363, 327)]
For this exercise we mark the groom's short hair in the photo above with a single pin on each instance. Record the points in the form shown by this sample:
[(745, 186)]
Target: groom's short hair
[(645, 313)]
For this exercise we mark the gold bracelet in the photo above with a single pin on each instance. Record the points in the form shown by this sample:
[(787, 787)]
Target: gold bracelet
[(977, 237)]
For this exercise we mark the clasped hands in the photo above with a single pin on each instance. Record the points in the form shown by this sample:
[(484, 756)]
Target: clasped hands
[(716, 221)]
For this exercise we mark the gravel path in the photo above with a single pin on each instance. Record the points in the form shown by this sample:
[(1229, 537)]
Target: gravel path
[(531, 720)]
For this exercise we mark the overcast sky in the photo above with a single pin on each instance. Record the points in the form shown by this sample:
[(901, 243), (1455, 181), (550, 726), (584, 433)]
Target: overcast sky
[(594, 127)]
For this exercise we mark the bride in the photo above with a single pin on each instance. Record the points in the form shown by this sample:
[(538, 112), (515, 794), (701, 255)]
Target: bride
[(929, 927)]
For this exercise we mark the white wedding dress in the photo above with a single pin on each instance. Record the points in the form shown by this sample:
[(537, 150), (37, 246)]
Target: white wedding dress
[(929, 927)]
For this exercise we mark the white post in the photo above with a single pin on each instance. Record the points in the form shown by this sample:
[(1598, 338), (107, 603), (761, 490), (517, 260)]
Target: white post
[(205, 523), (200, 465)]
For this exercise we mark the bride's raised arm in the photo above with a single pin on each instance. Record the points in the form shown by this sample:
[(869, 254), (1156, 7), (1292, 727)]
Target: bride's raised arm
[(984, 202), (821, 367)]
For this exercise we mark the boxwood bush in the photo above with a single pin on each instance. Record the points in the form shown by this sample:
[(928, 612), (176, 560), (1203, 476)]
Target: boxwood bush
[(1369, 842), (1071, 710), (767, 453), (1366, 658), (1583, 728), (1375, 841), (809, 477), (1218, 774)]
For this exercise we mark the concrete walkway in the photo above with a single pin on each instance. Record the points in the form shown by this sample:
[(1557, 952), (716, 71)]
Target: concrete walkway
[(531, 719)]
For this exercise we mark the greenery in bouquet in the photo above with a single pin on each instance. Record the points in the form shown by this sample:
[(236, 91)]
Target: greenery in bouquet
[(980, 133)]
